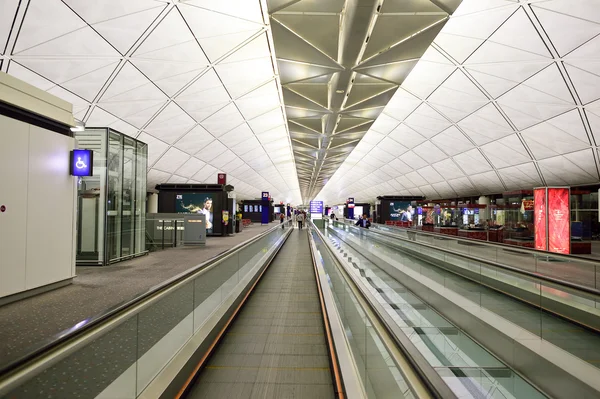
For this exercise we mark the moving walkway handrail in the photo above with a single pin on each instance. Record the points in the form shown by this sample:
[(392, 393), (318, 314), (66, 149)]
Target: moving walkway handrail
[(141, 300), (516, 270), (505, 247), (425, 372), (344, 368)]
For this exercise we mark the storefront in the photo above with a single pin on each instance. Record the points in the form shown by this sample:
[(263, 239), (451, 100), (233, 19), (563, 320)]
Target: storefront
[(252, 209), (216, 201)]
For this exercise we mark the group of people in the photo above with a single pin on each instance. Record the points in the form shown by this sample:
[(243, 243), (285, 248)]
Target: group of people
[(297, 217)]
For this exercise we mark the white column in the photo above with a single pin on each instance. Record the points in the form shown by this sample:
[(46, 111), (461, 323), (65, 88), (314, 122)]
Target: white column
[(153, 203), (483, 200)]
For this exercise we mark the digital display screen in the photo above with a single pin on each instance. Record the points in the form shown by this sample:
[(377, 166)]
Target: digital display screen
[(559, 218), (82, 162), (245, 208), (539, 214), (401, 211), (197, 203), (277, 209)]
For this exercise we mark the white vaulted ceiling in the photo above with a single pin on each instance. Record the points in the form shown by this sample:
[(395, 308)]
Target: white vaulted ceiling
[(507, 97), (195, 79)]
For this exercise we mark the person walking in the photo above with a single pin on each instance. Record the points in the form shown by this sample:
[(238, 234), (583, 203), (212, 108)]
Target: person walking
[(281, 220), (363, 221), (300, 219)]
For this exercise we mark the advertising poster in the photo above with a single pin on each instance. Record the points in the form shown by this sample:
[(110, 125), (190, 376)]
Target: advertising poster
[(197, 203), (401, 211), (559, 229), (539, 214)]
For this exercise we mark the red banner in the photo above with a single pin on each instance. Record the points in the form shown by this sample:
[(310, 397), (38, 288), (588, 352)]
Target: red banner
[(539, 214), (559, 221)]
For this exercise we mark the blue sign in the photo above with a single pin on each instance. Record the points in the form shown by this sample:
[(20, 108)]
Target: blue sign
[(316, 207), (82, 162), (264, 217), (350, 208)]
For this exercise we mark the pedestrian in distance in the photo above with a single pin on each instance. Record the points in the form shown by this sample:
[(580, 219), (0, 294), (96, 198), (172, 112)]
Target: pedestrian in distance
[(363, 222), (281, 220), (300, 220)]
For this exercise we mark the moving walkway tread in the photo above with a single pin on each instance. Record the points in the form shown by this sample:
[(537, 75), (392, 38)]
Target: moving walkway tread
[(276, 347)]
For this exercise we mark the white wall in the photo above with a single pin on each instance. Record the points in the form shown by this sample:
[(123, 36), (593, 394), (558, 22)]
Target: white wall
[(37, 231)]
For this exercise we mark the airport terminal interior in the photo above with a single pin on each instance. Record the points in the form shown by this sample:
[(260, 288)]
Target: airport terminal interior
[(299, 199)]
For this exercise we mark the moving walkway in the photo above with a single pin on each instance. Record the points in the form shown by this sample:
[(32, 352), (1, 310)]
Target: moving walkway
[(541, 328)]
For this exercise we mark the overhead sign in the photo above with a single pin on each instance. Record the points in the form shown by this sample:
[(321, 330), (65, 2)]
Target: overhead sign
[(316, 209), (264, 217), (82, 162), (222, 178)]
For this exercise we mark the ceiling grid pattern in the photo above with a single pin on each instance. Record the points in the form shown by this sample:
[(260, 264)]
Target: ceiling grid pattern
[(509, 93), (195, 79)]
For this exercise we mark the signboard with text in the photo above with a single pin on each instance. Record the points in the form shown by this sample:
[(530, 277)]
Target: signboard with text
[(222, 178), (264, 217), (316, 209), (350, 203)]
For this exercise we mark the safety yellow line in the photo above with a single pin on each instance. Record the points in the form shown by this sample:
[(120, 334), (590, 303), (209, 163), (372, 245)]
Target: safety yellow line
[(268, 368), (283, 334)]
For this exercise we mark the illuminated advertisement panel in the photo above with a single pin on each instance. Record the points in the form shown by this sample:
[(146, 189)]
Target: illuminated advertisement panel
[(539, 199), (559, 230)]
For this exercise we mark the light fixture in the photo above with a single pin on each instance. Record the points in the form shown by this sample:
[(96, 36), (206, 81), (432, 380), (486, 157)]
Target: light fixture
[(79, 126), (339, 91)]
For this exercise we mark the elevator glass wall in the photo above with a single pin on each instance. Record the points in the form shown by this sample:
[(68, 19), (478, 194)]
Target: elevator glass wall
[(112, 202)]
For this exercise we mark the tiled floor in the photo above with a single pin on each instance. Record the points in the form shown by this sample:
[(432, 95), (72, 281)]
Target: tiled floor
[(29, 323), (276, 347)]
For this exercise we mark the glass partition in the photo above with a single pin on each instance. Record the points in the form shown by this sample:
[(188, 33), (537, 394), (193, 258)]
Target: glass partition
[(140, 196)]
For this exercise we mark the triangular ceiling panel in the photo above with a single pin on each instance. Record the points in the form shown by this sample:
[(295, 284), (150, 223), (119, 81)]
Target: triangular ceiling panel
[(392, 29), (122, 32), (313, 91), (321, 31), (410, 49), (292, 47), (44, 22)]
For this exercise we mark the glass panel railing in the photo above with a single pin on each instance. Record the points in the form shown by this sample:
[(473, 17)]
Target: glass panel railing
[(563, 300), (379, 375), (122, 356), (570, 269)]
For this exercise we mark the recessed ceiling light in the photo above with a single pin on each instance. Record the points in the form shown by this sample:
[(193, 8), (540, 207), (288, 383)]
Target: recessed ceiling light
[(339, 91)]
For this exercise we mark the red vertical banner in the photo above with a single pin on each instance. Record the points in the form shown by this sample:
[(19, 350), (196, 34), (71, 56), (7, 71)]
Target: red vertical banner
[(539, 214), (559, 220)]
